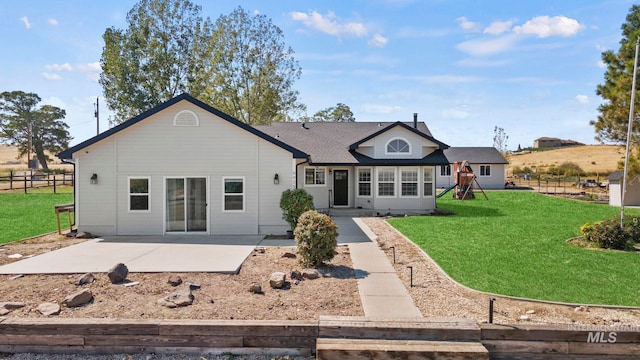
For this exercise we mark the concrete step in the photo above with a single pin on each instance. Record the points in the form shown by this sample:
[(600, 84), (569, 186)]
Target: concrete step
[(331, 348)]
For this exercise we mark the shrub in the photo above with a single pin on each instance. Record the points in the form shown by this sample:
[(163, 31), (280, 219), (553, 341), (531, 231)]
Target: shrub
[(316, 237), (293, 203), (608, 234)]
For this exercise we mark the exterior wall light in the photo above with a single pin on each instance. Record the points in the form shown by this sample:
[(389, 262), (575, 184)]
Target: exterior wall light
[(94, 178), (276, 179)]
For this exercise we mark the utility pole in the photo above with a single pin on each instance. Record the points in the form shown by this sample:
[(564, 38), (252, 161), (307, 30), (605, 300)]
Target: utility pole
[(97, 115)]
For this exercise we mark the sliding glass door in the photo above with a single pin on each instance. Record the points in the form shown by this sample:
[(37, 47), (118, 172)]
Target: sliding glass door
[(186, 206)]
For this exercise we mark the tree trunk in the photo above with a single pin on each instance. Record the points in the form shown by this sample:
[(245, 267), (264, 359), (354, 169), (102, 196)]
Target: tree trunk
[(42, 158)]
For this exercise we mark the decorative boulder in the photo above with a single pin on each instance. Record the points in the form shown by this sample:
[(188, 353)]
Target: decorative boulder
[(296, 275), (77, 299), (276, 281), (85, 279), (310, 274), (118, 273), (7, 307), (289, 255), (48, 309), (255, 288), (178, 298), (174, 280)]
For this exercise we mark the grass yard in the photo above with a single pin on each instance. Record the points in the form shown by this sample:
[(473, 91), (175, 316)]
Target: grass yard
[(514, 244), (25, 215)]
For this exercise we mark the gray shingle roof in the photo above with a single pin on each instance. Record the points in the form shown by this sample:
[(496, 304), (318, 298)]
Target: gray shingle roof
[(328, 143), (475, 155)]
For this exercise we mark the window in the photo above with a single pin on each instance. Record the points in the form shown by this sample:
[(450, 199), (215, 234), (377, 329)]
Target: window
[(364, 182), (445, 170), (398, 146), (186, 118), (233, 194), (386, 182), (314, 176), (409, 182), (427, 182), (139, 194), (485, 170)]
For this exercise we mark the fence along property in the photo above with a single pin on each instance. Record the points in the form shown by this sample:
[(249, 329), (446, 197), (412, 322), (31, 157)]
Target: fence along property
[(30, 180)]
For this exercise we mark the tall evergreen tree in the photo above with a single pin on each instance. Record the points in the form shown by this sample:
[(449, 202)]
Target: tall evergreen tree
[(612, 122)]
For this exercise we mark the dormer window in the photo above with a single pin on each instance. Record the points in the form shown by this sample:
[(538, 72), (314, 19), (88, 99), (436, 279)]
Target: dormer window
[(398, 146)]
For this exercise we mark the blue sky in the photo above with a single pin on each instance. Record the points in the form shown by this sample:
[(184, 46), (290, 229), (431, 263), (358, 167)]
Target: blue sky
[(530, 67)]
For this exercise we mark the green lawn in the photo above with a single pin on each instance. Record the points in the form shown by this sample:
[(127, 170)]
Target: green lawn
[(25, 215), (514, 244)]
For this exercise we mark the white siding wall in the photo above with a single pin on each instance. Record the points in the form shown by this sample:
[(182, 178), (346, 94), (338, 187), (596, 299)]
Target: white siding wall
[(495, 181), (377, 146), (157, 149), (96, 212)]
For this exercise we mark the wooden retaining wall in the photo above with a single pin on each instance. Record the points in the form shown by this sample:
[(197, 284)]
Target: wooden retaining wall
[(107, 336)]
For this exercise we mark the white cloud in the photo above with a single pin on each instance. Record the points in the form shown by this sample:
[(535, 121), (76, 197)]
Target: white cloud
[(58, 67), (380, 109), (53, 77), (498, 27), (545, 26), (449, 79), (583, 99), (458, 113), (378, 41), (467, 25), (26, 23), (329, 24), (483, 46), (482, 62), (91, 70), (52, 22), (55, 101), (601, 64)]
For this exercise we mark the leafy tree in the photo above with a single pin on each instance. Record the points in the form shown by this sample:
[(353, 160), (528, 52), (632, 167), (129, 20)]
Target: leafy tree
[(239, 64), (339, 113), (161, 54), (21, 119), (253, 71), (500, 139)]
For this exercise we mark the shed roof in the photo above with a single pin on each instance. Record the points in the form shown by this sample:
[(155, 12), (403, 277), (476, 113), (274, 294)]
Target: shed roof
[(475, 155)]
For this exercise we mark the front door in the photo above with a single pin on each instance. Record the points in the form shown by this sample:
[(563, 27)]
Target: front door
[(340, 188), (186, 205)]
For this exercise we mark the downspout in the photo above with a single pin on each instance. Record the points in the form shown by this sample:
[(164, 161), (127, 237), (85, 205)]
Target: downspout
[(304, 162)]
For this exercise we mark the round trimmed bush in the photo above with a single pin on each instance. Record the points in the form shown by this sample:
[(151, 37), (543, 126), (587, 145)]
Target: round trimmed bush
[(293, 203), (317, 238)]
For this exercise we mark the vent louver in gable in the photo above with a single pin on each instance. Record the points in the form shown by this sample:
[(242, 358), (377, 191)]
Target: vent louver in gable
[(186, 118)]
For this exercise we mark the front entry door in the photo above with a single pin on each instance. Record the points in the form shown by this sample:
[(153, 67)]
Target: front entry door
[(186, 205), (340, 188)]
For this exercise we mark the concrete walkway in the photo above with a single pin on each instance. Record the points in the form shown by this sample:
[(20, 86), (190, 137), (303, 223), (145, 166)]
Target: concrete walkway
[(381, 291)]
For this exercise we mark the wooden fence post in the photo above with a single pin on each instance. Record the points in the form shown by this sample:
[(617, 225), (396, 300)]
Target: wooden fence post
[(54, 184), (25, 183), (10, 179)]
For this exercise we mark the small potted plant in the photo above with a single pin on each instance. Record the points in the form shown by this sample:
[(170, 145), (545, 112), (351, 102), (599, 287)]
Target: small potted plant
[(293, 204)]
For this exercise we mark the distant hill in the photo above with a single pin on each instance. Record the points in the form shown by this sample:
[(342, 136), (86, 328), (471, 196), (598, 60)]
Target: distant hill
[(599, 159)]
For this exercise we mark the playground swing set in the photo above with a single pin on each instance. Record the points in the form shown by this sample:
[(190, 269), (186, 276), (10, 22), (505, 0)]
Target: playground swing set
[(464, 180)]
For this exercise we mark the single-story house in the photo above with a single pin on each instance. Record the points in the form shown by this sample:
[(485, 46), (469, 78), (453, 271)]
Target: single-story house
[(632, 197), (186, 167), (487, 164)]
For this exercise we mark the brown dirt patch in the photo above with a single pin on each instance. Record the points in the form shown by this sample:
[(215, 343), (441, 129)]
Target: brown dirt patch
[(221, 296)]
